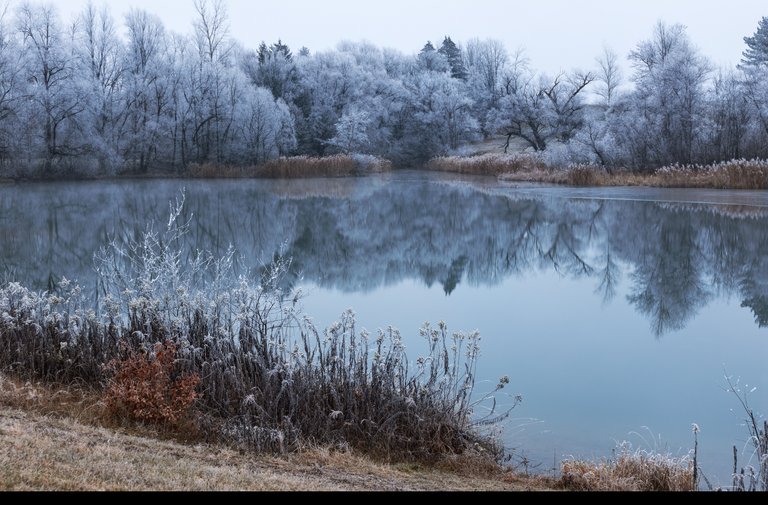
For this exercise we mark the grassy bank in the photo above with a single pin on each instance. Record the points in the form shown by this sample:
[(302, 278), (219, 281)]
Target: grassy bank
[(735, 174), (47, 453), (64, 438)]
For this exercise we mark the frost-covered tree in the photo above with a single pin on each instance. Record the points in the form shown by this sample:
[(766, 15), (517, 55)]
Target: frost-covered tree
[(146, 92), (486, 62), (441, 115), (55, 90), (264, 128), (212, 31), (609, 76), (352, 132), (101, 64), (594, 143), (331, 80), (753, 90), (357, 87), (729, 118), (668, 104), (540, 110), (754, 86), (11, 93), (214, 87)]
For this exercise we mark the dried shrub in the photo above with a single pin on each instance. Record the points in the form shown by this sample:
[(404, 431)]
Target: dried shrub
[(145, 387)]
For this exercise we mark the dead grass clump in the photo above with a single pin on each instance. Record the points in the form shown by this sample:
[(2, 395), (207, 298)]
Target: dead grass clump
[(629, 471), (73, 401), (306, 166), (489, 164), (585, 175)]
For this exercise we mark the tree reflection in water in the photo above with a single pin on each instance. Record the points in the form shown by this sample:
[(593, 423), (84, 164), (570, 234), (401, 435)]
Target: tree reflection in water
[(357, 235)]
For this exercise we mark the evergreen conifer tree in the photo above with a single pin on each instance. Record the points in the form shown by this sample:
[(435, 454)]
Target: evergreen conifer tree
[(453, 55), (757, 46)]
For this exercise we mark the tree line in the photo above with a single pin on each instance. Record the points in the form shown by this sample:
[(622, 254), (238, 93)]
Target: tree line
[(82, 99)]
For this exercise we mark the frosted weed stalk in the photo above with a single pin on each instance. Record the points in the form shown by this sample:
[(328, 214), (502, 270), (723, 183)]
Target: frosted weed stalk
[(268, 379), (753, 476)]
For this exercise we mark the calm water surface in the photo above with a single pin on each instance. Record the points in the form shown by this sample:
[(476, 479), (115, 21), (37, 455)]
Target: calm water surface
[(615, 312)]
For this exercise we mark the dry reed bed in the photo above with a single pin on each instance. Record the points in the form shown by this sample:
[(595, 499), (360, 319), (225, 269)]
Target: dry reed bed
[(490, 164), (530, 167), (735, 174), (296, 167)]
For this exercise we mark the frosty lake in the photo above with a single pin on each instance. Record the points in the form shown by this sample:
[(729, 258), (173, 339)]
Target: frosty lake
[(616, 313)]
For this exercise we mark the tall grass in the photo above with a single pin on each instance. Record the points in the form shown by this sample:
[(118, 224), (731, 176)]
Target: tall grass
[(735, 174), (268, 379), (296, 167)]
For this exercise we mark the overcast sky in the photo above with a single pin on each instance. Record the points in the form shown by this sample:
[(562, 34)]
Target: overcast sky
[(556, 34)]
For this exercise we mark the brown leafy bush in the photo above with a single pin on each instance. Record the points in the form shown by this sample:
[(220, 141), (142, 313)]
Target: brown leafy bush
[(145, 388)]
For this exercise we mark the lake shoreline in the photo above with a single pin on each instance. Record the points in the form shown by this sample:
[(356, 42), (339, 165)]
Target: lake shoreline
[(736, 174), (517, 167), (64, 431), (288, 168)]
